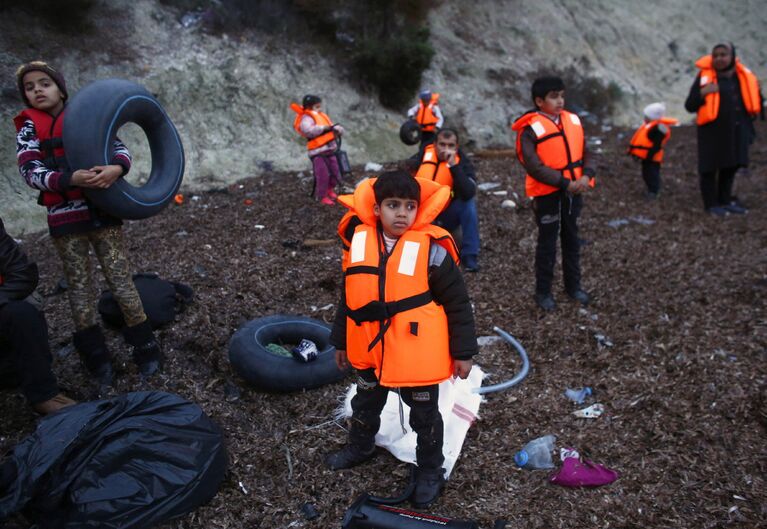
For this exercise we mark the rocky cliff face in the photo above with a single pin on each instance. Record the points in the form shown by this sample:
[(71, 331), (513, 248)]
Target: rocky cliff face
[(229, 97)]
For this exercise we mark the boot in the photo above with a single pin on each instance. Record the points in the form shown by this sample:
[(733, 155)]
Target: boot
[(53, 404), (347, 457), (580, 296), (146, 351), (545, 302), (428, 486), (92, 346)]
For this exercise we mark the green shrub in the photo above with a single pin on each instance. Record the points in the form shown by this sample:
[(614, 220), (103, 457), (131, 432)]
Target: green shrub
[(70, 16)]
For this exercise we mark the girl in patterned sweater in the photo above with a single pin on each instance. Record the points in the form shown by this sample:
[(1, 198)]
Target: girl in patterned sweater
[(76, 225)]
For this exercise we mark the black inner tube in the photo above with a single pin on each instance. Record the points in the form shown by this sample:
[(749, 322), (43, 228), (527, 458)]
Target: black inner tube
[(403, 497)]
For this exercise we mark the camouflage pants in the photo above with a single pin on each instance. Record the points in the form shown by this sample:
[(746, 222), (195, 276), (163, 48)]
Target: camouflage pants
[(107, 244)]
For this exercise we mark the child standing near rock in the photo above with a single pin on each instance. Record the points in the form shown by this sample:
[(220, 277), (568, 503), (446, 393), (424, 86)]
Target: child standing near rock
[(551, 146), (647, 145), (76, 225)]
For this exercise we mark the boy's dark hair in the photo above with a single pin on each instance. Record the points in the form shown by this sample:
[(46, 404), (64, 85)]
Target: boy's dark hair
[(310, 100), (450, 133), (396, 184), (543, 85)]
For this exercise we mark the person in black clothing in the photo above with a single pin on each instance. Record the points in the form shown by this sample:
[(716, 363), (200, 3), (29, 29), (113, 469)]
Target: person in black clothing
[(725, 133), (549, 137), (24, 345), (445, 162), (390, 245)]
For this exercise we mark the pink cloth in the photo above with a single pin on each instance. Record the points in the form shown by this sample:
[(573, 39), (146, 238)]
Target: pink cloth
[(581, 473)]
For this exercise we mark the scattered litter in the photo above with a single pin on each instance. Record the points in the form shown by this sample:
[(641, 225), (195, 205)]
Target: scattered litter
[(739, 497), (310, 511), (259, 226), (321, 309), (182, 233), (260, 253), (242, 487), (576, 472), (603, 341), (195, 198), (372, 166), (536, 454), (639, 219), (207, 246), (305, 351), (501, 193), (578, 395), (279, 350), (248, 202), (487, 186), (178, 199), (200, 271), (191, 19), (618, 223), (592, 412), (482, 341), (508, 204)]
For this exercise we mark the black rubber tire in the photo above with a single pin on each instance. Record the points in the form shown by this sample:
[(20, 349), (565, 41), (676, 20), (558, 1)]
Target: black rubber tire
[(271, 372), (410, 132), (93, 117)]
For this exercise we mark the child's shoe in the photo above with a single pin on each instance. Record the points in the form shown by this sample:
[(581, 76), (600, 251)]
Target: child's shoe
[(146, 351), (331, 194), (327, 201), (429, 484), (580, 296), (347, 457), (92, 347), (545, 302)]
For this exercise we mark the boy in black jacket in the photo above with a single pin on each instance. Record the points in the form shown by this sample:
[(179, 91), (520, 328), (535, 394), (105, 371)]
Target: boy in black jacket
[(23, 331), (405, 321)]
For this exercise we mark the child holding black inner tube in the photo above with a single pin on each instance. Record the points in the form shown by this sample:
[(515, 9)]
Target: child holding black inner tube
[(76, 225)]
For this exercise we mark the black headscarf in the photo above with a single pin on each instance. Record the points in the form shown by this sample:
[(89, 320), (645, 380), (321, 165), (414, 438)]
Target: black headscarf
[(730, 46)]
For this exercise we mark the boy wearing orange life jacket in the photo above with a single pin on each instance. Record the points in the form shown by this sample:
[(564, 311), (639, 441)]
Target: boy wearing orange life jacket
[(320, 133), (647, 145), (76, 225), (551, 147), (405, 321)]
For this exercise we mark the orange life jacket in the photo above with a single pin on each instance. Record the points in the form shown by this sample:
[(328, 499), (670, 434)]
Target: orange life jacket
[(558, 146), (393, 324), (432, 169), (749, 90), (425, 115), (49, 131), (640, 144), (320, 118)]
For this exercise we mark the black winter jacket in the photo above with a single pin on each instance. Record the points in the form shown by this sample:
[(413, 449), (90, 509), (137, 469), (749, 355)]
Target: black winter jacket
[(18, 276)]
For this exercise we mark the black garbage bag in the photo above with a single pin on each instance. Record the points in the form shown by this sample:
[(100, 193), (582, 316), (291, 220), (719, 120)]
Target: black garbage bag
[(161, 299), (129, 462)]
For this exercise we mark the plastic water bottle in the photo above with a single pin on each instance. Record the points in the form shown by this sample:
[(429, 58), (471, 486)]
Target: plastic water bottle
[(578, 395), (536, 454)]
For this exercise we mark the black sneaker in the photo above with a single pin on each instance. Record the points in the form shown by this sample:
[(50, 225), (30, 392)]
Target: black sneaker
[(347, 457), (580, 296), (429, 484), (470, 263), (545, 302)]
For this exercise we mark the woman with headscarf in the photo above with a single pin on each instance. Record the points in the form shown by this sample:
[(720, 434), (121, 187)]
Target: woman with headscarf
[(726, 97)]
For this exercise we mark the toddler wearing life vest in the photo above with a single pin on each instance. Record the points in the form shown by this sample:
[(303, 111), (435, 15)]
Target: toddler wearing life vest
[(320, 133), (404, 321), (647, 145), (551, 147), (428, 116), (76, 225)]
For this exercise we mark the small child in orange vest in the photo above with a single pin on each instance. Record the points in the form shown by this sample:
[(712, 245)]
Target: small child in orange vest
[(403, 292), (552, 149), (320, 133), (647, 145)]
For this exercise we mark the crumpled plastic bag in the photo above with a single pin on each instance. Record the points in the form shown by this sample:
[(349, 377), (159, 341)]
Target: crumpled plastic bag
[(581, 473), (129, 462)]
